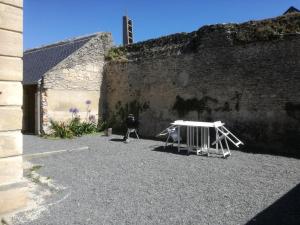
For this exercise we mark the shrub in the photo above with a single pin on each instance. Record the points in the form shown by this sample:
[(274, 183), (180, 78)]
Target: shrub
[(88, 127), (72, 128), (60, 129), (102, 125), (76, 127)]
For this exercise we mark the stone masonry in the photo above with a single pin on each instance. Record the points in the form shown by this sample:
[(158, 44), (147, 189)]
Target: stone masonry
[(11, 51), (245, 75), (74, 80), (82, 69), (11, 91)]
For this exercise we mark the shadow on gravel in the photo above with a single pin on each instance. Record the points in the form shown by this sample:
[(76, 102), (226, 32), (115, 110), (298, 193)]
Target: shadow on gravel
[(170, 149), (265, 149), (117, 139), (122, 140), (173, 150), (285, 210)]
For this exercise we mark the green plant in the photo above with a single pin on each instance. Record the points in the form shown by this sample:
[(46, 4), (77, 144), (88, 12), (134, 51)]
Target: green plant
[(117, 119), (102, 125), (60, 129), (76, 127), (72, 128), (88, 127), (79, 128), (116, 54)]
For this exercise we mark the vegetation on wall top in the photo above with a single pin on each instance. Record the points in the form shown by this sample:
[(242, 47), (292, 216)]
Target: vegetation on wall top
[(263, 30), (116, 54), (220, 34)]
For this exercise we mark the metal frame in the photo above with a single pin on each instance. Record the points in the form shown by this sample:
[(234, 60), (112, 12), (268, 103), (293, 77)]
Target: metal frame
[(131, 130)]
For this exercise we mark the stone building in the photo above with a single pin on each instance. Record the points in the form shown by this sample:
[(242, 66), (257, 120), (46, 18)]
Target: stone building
[(61, 76)]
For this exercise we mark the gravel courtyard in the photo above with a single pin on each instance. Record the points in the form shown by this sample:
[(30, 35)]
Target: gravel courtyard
[(141, 183)]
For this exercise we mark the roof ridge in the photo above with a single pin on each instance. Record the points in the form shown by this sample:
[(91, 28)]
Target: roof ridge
[(291, 9), (63, 42)]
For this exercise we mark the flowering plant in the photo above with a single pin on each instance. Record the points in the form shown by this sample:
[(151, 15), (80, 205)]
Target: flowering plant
[(88, 111), (75, 127), (74, 112)]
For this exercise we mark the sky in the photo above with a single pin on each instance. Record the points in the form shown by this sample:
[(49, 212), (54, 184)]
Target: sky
[(49, 21)]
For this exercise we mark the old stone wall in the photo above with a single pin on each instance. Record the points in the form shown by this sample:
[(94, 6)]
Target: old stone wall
[(75, 80), (213, 74), (83, 68)]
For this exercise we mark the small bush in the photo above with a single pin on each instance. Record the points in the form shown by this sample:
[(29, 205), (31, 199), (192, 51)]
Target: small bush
[(75, 127), (60, 129), (88, 127)]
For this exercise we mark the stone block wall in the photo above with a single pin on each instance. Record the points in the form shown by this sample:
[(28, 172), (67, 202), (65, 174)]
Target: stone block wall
[(12, 193), (11, 74), (75, 80), (83, 68), (209, 75)]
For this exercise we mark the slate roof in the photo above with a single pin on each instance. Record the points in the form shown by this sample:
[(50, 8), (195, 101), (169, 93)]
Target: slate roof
[(38, 61), (292, 9)]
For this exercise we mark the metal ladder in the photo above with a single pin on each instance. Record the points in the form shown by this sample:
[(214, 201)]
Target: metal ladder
[(222, 133)]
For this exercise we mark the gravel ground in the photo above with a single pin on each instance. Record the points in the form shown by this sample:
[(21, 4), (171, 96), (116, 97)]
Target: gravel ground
[(34, 144), (141, 183)]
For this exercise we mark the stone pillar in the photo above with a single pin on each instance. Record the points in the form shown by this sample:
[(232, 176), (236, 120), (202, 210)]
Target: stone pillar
[(11, 96)]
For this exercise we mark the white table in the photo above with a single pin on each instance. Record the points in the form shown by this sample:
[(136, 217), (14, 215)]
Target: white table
[(198, 137)]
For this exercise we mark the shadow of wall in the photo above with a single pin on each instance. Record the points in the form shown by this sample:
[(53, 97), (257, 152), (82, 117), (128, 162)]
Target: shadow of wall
[(286, 210)]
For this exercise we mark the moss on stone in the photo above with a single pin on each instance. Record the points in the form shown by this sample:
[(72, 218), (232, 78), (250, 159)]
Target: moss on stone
[(116, 54), (117, 120)]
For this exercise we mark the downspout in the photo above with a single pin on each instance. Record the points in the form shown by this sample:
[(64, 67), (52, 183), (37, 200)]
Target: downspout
[(38, 109)]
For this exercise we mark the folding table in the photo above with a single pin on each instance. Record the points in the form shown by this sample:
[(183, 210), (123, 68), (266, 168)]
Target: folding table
[(198, 137)]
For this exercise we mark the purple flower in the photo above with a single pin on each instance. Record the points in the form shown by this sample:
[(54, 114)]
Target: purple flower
[(75, 110), (88, 102), (71, 110)]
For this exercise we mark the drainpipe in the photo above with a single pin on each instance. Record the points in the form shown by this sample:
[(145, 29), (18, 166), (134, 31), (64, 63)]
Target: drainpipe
[(38, 109)]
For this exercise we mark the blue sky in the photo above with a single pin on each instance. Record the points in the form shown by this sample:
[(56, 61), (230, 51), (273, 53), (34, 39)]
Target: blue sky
[(48, 21)]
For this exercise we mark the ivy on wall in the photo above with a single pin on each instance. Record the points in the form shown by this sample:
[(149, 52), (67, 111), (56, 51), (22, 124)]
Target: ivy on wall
[(117, 120), (200, 105), (183, 107)]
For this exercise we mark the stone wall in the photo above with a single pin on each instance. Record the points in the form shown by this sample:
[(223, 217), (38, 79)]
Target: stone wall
[(75, 80), (11, 75), (249, 81), (11, 51)]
